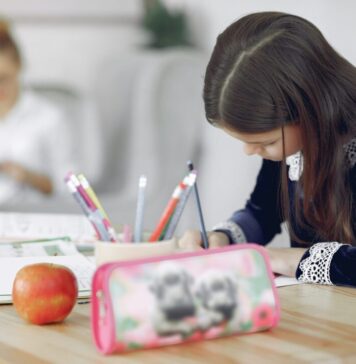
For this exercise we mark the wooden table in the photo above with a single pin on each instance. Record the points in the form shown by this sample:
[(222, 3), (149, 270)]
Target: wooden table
[(318, 324)]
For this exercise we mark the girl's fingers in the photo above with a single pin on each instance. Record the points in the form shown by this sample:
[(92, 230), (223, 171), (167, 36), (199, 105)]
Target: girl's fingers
[(191, 240), (218, 239)]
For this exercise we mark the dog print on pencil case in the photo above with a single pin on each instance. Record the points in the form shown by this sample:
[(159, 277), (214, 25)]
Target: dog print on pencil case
[(174, 301), (184, 305)]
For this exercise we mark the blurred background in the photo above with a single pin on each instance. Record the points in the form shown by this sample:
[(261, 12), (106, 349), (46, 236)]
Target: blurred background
[(128, 74)]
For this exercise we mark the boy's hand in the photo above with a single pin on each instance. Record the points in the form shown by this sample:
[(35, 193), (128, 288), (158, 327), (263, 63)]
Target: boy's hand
[(14, 170)]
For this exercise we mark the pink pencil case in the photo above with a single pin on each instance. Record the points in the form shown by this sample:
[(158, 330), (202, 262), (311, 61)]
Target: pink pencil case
[(182, 298)]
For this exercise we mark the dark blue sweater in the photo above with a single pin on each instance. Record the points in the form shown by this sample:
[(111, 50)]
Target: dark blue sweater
[(261, 220)]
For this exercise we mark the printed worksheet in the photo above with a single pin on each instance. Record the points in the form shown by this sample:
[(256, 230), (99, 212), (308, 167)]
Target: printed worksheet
[(38, 248), (35, 225)]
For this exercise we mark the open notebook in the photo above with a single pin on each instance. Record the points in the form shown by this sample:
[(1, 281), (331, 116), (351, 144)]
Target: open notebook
[(282, 281), (36, 225), (82, 267), (15, 254)]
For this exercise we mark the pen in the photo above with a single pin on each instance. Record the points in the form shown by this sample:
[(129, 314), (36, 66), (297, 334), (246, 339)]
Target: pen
[(92, 207), (126, 234), (167, 213), (80, 189), (97, 225), (96, 218), (200, 213), (86, 185), (140, 207), (95, 202), (172, 224)]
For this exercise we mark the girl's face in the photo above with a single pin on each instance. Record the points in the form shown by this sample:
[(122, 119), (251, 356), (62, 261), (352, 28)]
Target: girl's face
[(9, 81), (269, 145)]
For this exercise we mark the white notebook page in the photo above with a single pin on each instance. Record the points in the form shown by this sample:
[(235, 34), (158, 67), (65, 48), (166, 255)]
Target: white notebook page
[(36, 225)]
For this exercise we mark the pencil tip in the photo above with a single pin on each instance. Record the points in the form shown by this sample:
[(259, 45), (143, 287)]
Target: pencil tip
[(190, 165)]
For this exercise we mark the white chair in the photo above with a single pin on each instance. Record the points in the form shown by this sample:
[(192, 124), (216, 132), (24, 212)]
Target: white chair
[(153, 127), (83, 119)]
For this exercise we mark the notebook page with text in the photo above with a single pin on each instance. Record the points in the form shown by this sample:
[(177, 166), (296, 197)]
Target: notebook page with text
[(45, 225)]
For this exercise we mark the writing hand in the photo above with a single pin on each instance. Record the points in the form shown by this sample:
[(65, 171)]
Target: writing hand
[(191, 240)]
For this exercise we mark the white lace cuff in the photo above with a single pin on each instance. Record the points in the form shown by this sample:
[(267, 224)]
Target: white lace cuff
[(316, 267), (236, 233)]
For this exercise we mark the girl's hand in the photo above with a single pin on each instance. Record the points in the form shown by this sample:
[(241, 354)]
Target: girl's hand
[(285, 260), (191, 240)]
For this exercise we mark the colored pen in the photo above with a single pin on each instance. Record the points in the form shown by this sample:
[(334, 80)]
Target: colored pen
[(76, 195), (140, 208), (93, 207), (96, 203), (72, 177), (163, 233), (172, 224), (126, 234), (167, 213), (86, 185), (200, 213), (96, 219)]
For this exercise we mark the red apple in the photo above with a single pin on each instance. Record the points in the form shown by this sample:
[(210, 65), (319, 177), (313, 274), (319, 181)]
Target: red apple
[(43, 293)]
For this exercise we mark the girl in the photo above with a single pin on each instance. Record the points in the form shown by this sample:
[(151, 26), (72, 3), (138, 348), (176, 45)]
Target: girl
[(34, 139), (274, 83)]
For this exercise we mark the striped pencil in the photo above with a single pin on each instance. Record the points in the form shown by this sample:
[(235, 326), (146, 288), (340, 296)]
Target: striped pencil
[(167, 213)]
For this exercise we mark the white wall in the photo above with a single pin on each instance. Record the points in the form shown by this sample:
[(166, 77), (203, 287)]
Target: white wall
[(66, 41), (336, 19), (73, 54), (82, 8)]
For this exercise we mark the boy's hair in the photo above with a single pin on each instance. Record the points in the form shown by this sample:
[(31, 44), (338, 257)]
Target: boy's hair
[(7, 43), (272, 69)]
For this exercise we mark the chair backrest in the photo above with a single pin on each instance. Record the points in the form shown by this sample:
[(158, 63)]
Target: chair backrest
[(83, 122), (152, 117)]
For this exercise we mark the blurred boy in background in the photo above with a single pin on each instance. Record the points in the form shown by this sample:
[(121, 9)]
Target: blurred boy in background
[(35, 142)]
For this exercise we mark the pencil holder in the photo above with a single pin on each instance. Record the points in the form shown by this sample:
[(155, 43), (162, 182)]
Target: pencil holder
[(106, 252)]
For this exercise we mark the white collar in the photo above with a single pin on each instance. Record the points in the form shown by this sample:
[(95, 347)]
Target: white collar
[(295, 163)]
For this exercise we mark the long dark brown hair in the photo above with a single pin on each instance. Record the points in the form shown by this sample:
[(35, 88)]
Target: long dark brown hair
[(272, 69)]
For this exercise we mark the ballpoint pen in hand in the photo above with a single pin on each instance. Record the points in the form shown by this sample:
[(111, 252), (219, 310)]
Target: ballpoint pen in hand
[(200, 213)]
